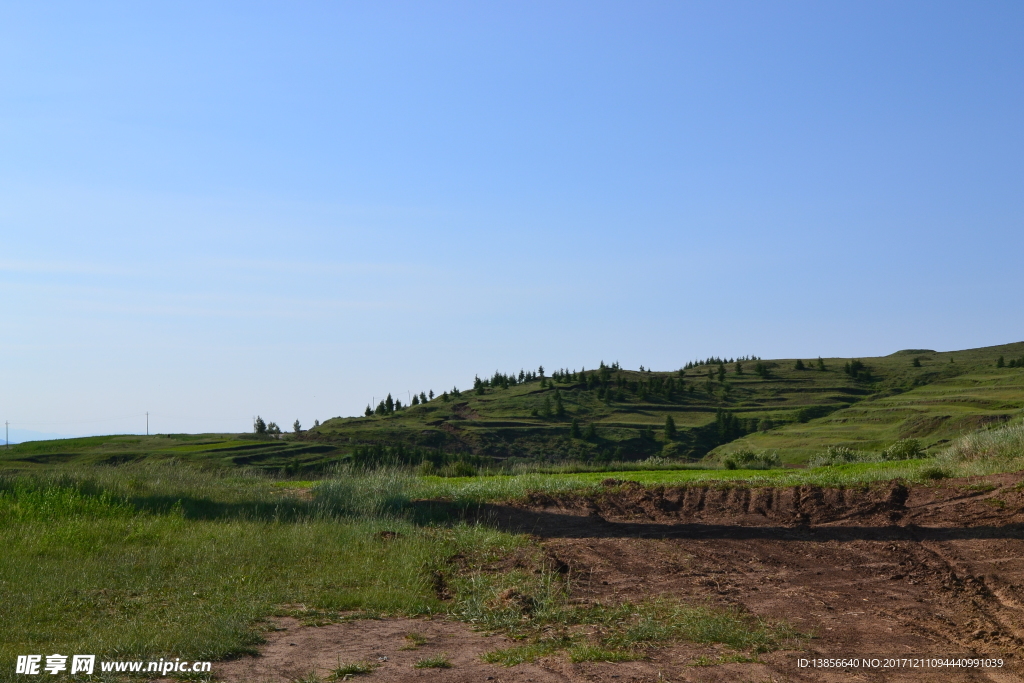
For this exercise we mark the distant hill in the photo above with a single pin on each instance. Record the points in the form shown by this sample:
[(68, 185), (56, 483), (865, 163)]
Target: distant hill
[(611, 413)]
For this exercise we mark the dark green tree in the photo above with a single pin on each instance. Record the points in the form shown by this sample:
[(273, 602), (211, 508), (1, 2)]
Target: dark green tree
[(762, 370), (1000, 363), (296, 426), (415, 400), (381, 409), (574, 429), (799, 365), (591, 434), (261, 426), (316, 423), (670, 428), (721, 372), (821, 364), (559, 408), (545, 410), (369, 410), (916, 363), (739, 368), (430, 395), (389, 404)]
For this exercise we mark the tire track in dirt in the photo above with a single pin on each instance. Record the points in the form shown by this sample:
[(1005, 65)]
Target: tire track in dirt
[(887, 569)]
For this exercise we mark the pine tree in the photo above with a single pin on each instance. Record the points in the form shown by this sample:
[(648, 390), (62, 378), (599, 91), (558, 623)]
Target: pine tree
[(799, 365), (574, 429), (591, 434), (1001, 363), (316, 423), (559, 408), (821, 364), (381, 409), (916, 363), (423, 397), (296, 427), (369, 411), (261, 426), (415, 400), (670, 428), (739, 368), (721, 373), (389, 404), (545, 410)]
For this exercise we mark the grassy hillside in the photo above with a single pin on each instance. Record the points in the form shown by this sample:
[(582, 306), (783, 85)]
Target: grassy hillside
[(934, 414), (620, 415), (217, 450)]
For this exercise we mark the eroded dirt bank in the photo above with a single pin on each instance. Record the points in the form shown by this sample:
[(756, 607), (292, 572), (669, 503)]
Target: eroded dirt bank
[(888, 570), (885, 570)]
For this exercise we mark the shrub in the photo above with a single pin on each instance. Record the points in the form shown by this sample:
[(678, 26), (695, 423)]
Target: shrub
[(904, 449), (747, 459), (841, 455)]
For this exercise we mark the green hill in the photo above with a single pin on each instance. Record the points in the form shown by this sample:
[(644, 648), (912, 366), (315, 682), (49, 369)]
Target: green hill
[(609, 413), (716, 407)]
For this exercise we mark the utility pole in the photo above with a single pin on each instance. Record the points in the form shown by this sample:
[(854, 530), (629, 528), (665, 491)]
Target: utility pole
[(147, 423), (7, 434)]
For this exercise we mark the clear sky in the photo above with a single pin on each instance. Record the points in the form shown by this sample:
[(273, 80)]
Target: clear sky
[(213, 210)]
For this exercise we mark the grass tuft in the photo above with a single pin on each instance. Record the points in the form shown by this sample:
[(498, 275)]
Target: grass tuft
[(441, 661), (352, 669), (416, 641)]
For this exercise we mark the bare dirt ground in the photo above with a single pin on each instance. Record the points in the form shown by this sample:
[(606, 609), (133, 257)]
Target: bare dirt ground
[(890, 571)]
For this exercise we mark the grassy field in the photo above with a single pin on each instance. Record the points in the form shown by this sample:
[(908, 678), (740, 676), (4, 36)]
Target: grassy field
[(159, 559), (204, 450)]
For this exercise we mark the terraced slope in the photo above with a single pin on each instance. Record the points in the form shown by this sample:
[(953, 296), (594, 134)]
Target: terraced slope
[(910, 393), (216, 450), (934, 414)]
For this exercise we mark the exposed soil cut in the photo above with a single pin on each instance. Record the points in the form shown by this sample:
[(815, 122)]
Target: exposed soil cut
[(886, 571)]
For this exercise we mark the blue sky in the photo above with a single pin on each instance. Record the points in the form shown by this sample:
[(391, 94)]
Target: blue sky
[(214, 210)]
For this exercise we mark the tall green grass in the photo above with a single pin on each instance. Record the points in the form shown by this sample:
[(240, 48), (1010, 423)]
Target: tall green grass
[(143, 562), (987, 451), (148, 561)]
